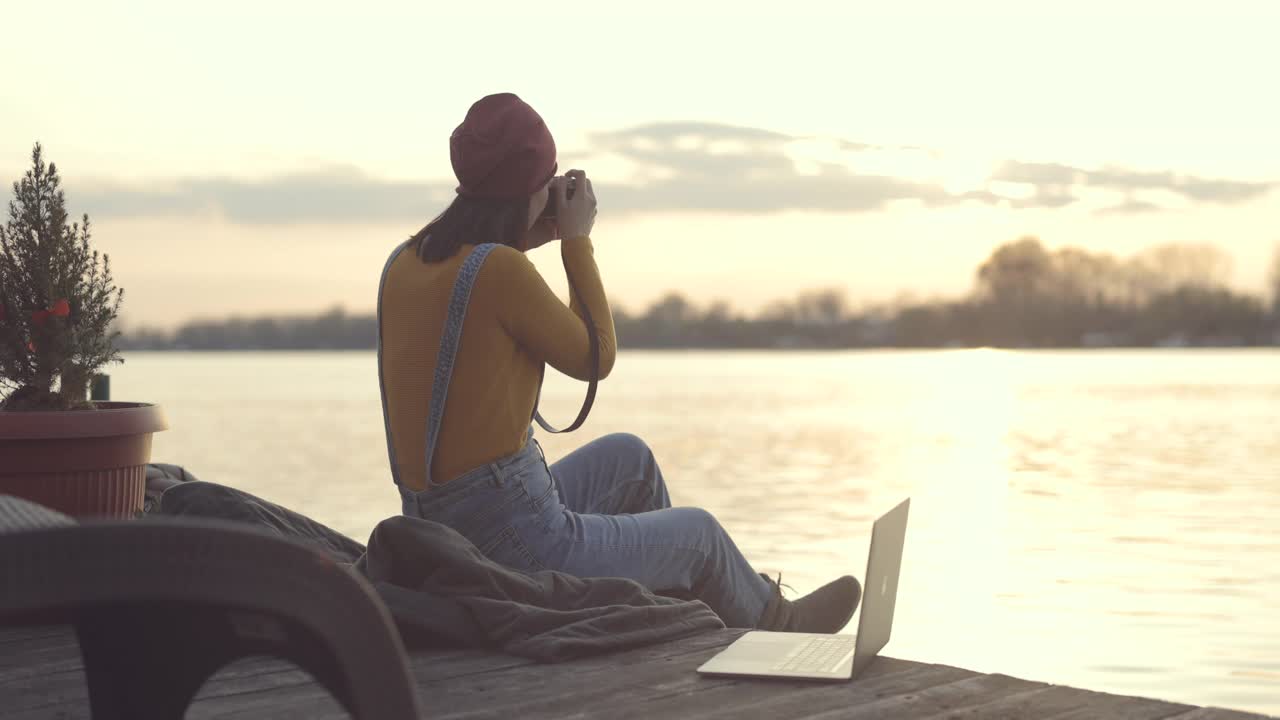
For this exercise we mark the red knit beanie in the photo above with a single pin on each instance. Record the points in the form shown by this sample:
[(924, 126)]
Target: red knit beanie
[(502, 149)]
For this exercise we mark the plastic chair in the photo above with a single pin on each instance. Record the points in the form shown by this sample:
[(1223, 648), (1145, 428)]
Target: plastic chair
[(159, 605)]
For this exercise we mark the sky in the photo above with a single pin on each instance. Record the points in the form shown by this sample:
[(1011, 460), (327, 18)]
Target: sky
[(248, 158)]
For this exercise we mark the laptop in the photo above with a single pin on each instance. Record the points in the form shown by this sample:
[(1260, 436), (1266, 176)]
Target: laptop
[(829, 657)]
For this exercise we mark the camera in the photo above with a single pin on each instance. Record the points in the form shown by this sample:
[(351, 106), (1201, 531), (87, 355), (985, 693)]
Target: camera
[(569, 184)]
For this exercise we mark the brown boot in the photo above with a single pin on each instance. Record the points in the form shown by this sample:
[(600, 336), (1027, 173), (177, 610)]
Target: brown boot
[(825, 610)]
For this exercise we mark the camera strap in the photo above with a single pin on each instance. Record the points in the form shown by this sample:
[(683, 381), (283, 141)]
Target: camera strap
[(594, 377)]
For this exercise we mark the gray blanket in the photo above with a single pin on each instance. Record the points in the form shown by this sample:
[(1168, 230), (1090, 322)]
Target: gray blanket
[(442, 591)]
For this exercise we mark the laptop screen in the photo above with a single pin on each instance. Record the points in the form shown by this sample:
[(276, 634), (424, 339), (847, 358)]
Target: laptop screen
[(880, 592)]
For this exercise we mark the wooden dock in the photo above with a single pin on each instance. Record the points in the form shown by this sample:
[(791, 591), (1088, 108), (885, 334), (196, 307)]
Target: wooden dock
[(41, 677)]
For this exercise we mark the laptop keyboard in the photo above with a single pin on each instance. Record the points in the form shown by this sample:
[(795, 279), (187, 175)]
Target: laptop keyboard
[(820, 654)]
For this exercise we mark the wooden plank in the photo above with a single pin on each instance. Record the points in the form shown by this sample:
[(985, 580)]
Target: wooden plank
[(653, 688), (304, 701), (13, 643), (37, 691), (468, 681), (41, 672), (428, 667), (51, 712), (41, 677), (44, 683), (1120, 707), (1044, 702), (44, 677), (253, 675), (224, 689), (974, 690), (474, 668), (38, 656), (229, 696), (538, 690), (313, 701), (50, 671), (26, 633), (52, 676), (905, 696), (551, 691), (780, 698), (702, 645)]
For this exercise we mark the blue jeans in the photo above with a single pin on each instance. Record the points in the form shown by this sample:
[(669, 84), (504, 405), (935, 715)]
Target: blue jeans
[(602, 511)]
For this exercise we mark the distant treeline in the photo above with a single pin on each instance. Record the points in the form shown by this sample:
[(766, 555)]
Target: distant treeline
[(1024, 296)]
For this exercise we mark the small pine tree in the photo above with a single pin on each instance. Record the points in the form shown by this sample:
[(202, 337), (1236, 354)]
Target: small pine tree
[(57, 301)]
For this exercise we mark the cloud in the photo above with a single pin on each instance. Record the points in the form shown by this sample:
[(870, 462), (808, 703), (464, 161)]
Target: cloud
[(673, 131), (1130, 207), (755, 174), (678, 166), (1053, 183), (335, 195), (1038, 174), (1222, 191)]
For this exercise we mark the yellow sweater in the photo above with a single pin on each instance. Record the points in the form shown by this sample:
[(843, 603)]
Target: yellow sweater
[(514, 324)]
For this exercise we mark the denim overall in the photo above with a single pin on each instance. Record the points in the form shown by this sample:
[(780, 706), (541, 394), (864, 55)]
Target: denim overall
[(602, 511)]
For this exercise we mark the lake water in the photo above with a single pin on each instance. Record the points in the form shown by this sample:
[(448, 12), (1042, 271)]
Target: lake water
[(1100, 519)]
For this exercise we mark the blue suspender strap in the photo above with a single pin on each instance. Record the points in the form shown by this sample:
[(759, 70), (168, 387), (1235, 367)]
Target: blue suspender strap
[(447, 354), (449, 344)]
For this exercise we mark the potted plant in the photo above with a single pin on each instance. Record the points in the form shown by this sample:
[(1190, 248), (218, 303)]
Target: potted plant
[(57, 305)]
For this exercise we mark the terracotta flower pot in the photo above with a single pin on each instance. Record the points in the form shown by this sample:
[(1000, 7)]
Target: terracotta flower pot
[(84, 463)]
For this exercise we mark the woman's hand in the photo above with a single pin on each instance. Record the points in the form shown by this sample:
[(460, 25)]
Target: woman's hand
[(575, 215)]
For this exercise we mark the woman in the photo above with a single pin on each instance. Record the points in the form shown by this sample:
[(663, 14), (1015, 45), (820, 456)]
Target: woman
[(464, 316)]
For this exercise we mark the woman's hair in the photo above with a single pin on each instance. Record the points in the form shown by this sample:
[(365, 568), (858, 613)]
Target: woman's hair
[(471, 220)]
